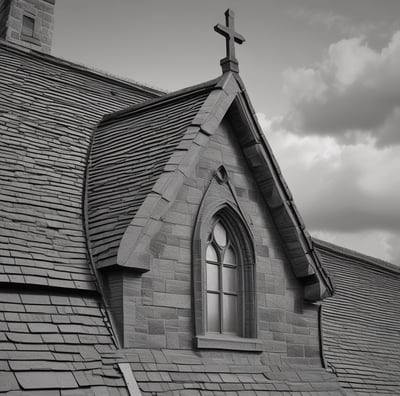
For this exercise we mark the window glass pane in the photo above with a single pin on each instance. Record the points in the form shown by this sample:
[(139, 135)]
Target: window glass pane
[(213, 314), (28, 26), (212, 277), (220, 234), (230, 314), (229, 257), (229, 279), (211, 254)]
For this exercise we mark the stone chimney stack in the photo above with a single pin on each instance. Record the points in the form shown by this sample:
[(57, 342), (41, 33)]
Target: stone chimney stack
[(28, 23)]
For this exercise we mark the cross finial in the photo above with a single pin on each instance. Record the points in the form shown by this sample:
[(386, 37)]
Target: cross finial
[(229, 63)]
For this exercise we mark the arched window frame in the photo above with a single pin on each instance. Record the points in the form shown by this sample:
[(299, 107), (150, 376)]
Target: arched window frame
[(229, 213)]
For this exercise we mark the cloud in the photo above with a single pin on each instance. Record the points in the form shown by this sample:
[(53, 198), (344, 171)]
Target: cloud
[(333, 21), (353, 95), (379, 244), (342, 190)]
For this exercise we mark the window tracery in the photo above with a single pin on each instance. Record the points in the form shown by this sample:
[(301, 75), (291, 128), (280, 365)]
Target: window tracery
[(222, 282)]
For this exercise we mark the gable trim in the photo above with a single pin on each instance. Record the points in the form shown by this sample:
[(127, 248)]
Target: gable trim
[(134, 249), (228, 98)]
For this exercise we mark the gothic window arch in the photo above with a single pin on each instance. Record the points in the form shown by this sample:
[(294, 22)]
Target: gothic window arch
[(224, 279)]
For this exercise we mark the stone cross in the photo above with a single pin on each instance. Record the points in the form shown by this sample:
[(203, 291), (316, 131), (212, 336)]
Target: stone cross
[(229, 63)]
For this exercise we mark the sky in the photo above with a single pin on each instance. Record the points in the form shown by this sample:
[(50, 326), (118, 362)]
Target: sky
[(323, 77)]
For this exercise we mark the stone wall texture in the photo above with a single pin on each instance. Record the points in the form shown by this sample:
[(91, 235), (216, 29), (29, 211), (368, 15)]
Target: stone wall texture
[(42, 11), (163, 315)]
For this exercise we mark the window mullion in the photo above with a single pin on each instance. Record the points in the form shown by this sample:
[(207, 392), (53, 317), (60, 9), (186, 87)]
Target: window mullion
[(221, 298)]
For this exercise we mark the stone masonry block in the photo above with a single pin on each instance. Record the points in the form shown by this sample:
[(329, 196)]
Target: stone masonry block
[(156, 326), (171, 300)]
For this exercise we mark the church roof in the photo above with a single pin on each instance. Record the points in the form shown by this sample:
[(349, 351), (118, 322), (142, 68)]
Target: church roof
[(59, 338), (360, 322), (48, 111)]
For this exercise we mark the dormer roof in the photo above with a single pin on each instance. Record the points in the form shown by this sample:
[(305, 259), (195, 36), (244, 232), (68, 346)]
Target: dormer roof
[(139, 159)]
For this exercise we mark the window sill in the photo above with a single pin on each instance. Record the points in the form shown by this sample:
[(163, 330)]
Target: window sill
[(29, 39), (229, 343)]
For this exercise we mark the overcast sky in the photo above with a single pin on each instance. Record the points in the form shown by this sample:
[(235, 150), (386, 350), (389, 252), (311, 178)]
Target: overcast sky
[(323, 76)]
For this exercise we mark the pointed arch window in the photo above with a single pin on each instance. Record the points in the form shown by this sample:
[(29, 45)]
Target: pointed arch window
[(222, 282)]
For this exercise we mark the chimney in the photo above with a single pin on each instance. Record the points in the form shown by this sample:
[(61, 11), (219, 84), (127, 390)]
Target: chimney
[(28, 23)]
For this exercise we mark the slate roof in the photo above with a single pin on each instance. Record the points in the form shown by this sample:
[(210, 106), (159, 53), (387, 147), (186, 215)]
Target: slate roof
[(361, 322), (129, 152), (59, 338), (54, 343), (55, 338), (48, 110), (187, 373)]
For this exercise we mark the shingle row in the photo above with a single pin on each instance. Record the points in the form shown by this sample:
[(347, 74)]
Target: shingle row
[(361, 322), (170, 372), (55, 341)]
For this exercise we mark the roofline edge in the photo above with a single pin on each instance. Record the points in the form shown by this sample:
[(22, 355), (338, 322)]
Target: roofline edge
[(86, 70), (352, 254)]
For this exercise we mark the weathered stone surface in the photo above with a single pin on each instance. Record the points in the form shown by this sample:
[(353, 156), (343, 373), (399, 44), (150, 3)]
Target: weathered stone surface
[(41, 12)]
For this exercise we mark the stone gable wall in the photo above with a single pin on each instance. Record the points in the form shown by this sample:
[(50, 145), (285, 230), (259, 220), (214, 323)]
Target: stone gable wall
[(163, 315)]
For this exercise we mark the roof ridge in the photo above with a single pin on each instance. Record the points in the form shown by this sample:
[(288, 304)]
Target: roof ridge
[(88, 70), (355, 254), (207, 85)]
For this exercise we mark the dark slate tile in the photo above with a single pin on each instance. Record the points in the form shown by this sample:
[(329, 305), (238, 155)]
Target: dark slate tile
[(45, 380)]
